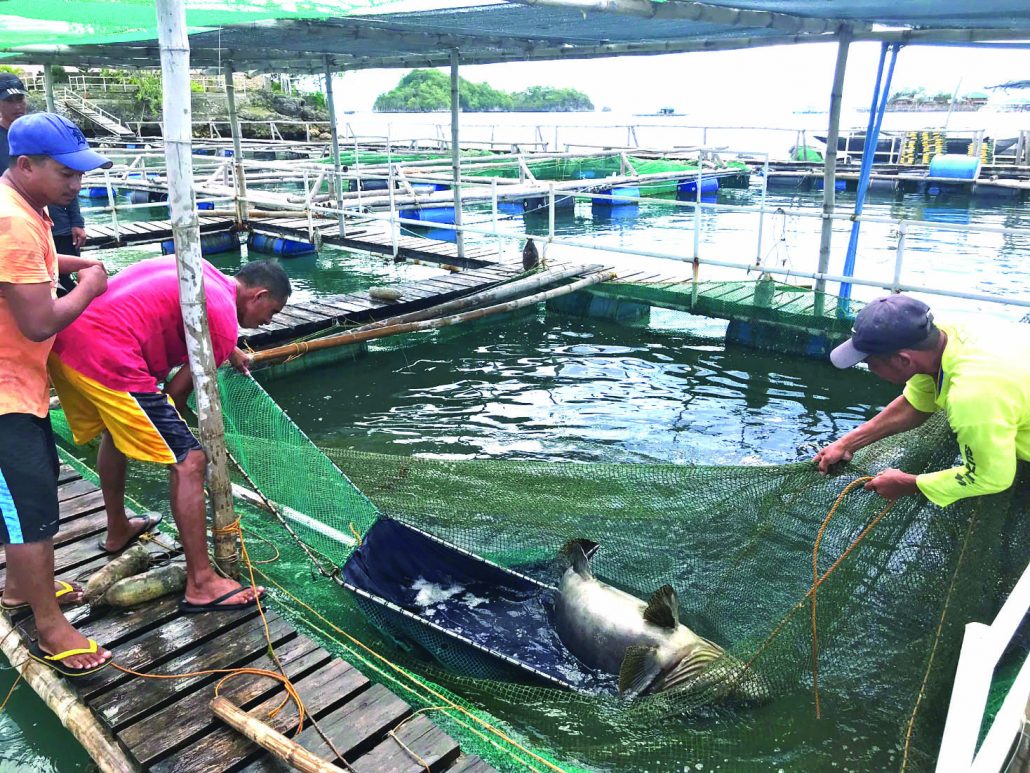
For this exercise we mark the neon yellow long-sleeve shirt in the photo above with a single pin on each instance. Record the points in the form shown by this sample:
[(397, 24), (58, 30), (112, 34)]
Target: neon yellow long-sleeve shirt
[(985, 389)]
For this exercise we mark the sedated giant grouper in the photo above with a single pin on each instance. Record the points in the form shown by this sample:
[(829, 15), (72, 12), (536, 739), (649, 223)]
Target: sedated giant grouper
[(643, 643)]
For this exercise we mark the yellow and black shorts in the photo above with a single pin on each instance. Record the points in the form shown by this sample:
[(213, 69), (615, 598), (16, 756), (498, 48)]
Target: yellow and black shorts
[(143, 425)]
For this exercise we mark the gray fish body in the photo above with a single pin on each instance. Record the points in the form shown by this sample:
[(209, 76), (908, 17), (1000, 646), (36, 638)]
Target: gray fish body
[(598, 623), (643, 643)]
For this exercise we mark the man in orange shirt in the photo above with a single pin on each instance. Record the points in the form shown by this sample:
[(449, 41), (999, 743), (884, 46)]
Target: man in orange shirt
[(48, 156)]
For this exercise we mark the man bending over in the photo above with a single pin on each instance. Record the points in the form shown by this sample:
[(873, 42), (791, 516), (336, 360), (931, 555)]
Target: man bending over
[(107, 368)]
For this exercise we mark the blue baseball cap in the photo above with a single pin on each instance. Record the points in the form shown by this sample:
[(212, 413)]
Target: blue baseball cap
[(885, 326), (48, 134)]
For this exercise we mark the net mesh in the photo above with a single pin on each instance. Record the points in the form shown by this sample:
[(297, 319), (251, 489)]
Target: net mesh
[(736, 542)]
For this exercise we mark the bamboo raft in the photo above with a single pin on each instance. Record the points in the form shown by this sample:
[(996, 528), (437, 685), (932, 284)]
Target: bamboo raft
[(130, 723)]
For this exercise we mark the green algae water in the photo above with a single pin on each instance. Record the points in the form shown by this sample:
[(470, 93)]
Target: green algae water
[(538, 387)]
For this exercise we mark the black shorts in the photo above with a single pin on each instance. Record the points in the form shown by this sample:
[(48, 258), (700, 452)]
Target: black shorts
[(28, 479)]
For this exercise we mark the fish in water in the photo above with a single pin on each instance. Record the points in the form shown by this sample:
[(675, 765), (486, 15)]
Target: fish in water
[(643, 643), (530, 256)]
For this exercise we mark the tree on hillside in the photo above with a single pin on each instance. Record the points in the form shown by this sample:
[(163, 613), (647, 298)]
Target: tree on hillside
[(427, 90)]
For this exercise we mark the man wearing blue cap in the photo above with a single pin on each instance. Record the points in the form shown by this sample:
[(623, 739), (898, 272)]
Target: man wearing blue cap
[(979, 374), (69, 227), (49, 156)]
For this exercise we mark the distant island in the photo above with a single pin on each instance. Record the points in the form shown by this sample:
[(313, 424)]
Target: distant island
[(429, 90)]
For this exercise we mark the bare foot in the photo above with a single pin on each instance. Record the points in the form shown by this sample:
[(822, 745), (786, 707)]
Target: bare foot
[(119, 538), (68, 638), (68, 598), (218, 588)]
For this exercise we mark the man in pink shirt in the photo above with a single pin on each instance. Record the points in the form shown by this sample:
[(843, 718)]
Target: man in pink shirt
[(108, 367)]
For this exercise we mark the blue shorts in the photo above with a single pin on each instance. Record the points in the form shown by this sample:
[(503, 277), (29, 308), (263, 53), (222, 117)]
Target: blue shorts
[(28, 479)]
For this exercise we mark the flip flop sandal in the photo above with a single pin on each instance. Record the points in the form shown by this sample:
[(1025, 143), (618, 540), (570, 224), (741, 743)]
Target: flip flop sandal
[(151, 522), (56, 661), (65, 589), (214, 605)]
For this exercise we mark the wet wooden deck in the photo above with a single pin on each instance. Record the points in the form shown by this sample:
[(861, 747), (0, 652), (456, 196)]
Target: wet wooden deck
[(310, 316), (167, 725), (100, 237)]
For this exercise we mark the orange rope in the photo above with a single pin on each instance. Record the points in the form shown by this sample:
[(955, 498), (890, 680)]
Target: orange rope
[(817, 581)]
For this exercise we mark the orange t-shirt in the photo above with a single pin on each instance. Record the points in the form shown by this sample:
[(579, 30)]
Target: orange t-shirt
[(27, 256)]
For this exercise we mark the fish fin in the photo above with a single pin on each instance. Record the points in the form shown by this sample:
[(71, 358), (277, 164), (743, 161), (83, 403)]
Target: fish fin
[(639, 670), (663, 608), (694, 666), (578, 552)]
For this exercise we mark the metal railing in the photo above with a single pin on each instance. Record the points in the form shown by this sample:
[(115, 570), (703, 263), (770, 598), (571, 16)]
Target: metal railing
[(87, 107)]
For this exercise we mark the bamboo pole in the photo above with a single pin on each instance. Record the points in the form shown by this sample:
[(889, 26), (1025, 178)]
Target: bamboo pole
[(65, 703), (289, 751), (330, 342), (175, 64), (334, 133), (830, 170), (459, 237), (237, 150), (48, 88), (500, 291)]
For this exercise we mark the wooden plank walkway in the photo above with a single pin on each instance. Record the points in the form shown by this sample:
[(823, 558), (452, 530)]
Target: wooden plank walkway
[(374, 236), (167, 725), (99, 237), (304, 317)]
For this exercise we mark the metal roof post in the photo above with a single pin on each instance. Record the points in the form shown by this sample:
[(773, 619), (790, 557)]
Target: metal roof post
[(456, 154), (872, 139), (242, 207), (334, 134), (830, 170), (48, 87), (175, 72)]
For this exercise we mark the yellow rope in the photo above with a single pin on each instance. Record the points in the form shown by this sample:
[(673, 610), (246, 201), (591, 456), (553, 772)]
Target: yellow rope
[(393, 666), (815, 573), (354, 531), (936, 641), (10, 692)]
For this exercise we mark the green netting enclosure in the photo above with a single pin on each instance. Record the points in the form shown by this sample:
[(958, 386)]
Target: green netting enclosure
[(736, 542)]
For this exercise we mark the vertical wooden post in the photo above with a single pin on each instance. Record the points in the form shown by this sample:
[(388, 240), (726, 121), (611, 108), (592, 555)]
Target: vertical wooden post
[(182, 206), (330, 105), (242, 207), (830, 170), (48, 88), (456, 154)]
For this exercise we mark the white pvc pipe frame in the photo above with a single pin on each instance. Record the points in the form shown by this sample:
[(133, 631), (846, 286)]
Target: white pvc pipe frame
[(982, 647)]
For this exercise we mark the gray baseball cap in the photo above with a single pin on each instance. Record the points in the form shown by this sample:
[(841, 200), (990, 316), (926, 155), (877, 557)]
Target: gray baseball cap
[(885, 326)]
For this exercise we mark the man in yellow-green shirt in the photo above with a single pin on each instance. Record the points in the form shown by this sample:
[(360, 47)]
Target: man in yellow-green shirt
[(978, 373)]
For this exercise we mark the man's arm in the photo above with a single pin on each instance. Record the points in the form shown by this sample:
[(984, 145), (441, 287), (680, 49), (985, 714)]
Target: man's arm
[(179, 387), (77, 223), (39, 316), (70, 264), (899, 416)]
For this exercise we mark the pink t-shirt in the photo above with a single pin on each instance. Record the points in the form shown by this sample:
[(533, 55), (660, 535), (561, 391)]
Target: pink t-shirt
[(132, 335)]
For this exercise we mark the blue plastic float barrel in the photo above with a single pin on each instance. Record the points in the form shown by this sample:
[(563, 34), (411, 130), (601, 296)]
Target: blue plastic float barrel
[(429, 214), (541, 203), (617, 193), (210, 244), (205, 205), (838, 185), (954, 166), (709, 187), (138, 197), (93, 192), (278, 245)]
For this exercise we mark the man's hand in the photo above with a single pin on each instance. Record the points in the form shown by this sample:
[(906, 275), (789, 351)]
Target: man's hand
[(893, 484), (93, 279), (78, 237), (832, 454), (241, 361)]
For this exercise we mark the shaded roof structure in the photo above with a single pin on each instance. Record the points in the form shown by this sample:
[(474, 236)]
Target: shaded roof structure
[(303, 36)]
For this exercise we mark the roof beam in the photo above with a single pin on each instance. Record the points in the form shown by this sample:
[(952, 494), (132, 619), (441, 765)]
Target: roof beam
[(702, 12)]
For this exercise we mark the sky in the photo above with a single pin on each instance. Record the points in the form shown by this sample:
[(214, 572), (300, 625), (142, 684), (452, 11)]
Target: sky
[(792, 77)]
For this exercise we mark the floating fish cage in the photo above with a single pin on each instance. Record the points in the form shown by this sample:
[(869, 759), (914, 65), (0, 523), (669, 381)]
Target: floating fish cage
[(210, 244), (278, 245), (474, 617)]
